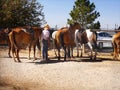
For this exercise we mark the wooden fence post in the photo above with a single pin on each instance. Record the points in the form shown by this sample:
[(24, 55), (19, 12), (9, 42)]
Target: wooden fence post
[(83, 48)]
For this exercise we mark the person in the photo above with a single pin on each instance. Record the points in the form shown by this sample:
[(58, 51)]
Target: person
[(45, 42)]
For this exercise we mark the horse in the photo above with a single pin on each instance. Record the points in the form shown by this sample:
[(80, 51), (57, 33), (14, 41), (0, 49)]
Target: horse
[(86, 37), (23, 37), (5, 39), (53, 39), (116, 45), (64, 38)]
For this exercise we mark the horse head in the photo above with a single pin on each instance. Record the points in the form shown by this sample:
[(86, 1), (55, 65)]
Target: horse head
[(7, 30), (75, 26)]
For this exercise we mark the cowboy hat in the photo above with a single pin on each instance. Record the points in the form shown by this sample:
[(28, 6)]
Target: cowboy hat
[(47, 26)]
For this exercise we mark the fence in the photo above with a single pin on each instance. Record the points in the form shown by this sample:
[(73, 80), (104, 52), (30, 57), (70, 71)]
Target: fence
[(117, 30)]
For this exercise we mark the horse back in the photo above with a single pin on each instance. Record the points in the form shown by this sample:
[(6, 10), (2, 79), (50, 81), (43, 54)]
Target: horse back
[(19, 38)]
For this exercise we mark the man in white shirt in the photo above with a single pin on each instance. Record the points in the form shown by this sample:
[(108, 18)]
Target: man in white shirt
[(45, 42)]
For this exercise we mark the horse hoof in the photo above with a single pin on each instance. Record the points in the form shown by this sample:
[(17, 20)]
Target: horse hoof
[(29, 58), (77, 56), (35, 59), (19, 61), (10, 56)]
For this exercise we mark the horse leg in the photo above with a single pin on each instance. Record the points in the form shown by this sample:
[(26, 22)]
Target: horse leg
[(29, 52), (18, 56), (58, 53), (72, 52), (9, 52), (81, 49), (39, 47), (55, 52), (34, 47), (64, 53), (95, 44), (91, 49), (13, 53), (77, 46), (54, 46), (68, 53)]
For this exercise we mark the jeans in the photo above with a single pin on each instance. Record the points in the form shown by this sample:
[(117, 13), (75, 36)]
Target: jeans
[(45, 49)]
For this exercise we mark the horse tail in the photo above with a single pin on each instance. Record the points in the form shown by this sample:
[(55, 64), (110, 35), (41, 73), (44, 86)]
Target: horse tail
[(13, 39)]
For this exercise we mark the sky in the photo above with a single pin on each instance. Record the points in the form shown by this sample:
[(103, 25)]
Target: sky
[(57, 12)]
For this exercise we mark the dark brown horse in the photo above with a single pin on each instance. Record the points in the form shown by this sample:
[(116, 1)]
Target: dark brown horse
[(116, 45), (22, 37), (4, 39), (65, 38)]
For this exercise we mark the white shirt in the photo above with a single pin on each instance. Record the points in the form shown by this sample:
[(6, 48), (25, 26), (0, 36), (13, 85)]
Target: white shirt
[(45, 34)]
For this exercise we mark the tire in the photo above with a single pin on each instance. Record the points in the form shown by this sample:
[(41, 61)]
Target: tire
[(100, 45)]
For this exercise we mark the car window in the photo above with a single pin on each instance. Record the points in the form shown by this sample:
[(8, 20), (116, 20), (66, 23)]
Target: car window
[(101, 34), (108, 35), (104, 34)]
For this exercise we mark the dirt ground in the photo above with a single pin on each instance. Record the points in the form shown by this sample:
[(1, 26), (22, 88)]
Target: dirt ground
[(73, 74)]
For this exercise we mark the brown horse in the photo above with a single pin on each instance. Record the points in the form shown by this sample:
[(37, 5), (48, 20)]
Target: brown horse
[(4, 39), (36, 33), (65, 38), (22, 37), (116, 45)]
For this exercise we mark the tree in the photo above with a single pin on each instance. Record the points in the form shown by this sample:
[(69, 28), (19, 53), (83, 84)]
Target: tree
[(20, 13), (84, 13), (95, 25)]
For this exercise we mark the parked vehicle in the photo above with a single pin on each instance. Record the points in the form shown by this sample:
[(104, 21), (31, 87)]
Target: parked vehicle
[(104, 39)]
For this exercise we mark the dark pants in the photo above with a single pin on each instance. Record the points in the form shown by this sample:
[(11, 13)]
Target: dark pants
[(45, 49)]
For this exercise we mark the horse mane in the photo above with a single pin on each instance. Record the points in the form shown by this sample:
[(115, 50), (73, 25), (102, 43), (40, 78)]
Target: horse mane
[(64, 28)]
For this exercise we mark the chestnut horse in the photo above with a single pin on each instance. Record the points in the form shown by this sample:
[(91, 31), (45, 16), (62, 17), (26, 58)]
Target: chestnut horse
[(20, 38), (116, 45), (86, 37), (64, 38)]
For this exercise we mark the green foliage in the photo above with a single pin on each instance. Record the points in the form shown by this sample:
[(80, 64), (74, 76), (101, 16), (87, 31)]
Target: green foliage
[(20, 13), (83, 12), (95, 25)]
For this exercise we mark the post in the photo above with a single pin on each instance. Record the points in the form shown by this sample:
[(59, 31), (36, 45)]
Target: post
[(83, 48)]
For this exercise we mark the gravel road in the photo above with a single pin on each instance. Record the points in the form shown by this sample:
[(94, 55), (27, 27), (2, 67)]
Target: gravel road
[(75, 74)]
